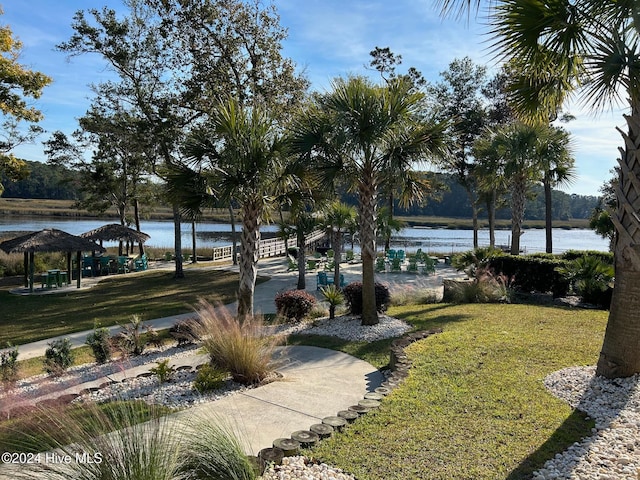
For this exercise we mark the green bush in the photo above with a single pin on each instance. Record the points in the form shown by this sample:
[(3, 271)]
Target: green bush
[(294, 304), (163, 371), (334, 297), (9, 364), (591, 279), (209, 378), (486, 287), (132, 341), (531, 274), (353, 296), (100, 343), (58, 356)]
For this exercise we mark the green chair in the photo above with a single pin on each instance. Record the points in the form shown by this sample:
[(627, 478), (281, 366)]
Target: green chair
[(380, 264), (396, 265), (323, 280), (123, 264)]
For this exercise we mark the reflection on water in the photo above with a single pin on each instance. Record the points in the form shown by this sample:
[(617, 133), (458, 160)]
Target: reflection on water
[(429, 239)]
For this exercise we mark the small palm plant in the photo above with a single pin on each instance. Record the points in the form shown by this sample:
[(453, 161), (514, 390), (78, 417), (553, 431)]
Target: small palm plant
[(333, 295)]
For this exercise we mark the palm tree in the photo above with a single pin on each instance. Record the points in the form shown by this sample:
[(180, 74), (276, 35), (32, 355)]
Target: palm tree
[(244, 153), (337, 219), (351, 132), (592, 46), (558, 168)]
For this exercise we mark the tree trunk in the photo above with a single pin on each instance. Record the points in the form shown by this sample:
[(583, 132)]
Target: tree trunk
[(491, 214), (136, 219), (194, 255), (234, 242), (387, 236), (249, 254), (474, 214), (620, 355), (177, 229), (367, 193), (337, 253), (302, 264), (518, 198), (548, 213)]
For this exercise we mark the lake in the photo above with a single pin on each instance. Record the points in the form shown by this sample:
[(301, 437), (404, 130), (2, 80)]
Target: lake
[(429, 239)]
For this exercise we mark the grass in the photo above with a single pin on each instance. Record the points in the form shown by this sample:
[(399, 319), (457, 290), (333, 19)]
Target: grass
[(474, 406), (150, 294)]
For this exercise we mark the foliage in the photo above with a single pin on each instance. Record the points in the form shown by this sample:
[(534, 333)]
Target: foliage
[(334, 297), (214, 451), (163, 370), (185, 331), (131, 339), (9, 365), (58, 356), (473, 260), (209, 378), (100, 343), (531, 273), (353, 296), (294, 304), (591, 278), (485, 287), (241, 348)]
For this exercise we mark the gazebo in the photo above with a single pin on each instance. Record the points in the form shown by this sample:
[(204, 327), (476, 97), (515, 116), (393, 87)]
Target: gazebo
[(116, 232), (49, 240)]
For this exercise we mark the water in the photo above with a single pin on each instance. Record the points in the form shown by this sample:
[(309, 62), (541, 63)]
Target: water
[(210, 235)]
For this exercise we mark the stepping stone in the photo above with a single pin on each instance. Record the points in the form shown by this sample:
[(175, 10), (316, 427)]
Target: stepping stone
[(336, 422), (348, 415), (306, 438), (289, 446), (322, 429), (369, 403)]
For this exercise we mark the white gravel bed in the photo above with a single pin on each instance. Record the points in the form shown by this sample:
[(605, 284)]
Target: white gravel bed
[(612, 452), (301, 468), (348, 327), (39, 385)]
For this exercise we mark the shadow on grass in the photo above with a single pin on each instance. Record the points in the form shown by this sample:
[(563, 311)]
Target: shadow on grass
[(574, 428)]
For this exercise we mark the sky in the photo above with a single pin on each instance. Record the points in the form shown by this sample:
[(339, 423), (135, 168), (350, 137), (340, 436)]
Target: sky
[(327, 39)]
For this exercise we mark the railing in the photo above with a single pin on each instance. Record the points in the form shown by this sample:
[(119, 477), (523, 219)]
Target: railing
[(271, 247)]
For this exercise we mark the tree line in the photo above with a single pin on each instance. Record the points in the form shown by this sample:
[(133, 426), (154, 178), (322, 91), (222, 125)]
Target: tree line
[(56, 182)]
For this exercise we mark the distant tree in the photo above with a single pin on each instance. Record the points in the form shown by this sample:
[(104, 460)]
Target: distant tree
[(600, 219), (339, 218), (17, 85)]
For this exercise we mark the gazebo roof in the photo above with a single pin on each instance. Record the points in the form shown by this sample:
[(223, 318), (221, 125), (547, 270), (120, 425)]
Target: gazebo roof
[(49, 240), (114, 232)]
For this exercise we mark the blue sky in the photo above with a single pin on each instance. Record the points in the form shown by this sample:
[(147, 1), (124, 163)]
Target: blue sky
[(327, 38)]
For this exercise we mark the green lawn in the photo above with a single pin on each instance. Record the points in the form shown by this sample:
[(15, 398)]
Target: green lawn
[(474, 406), (151, 294)]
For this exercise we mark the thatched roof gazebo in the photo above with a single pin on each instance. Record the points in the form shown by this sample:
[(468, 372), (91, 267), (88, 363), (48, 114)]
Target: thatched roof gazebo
[(116, 232), (49, 240)]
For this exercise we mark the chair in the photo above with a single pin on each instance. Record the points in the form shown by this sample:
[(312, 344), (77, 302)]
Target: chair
[(380, 264), (396, 265), (141, 263), (400, 255), (323, 280), (391, 254), (123, 264), (412, 267), (87, 267), (105, 265)]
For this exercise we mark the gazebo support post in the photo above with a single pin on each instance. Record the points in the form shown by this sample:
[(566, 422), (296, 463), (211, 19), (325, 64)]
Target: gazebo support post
[(69, 268), (32, 268), (78, 267), (26, 269)]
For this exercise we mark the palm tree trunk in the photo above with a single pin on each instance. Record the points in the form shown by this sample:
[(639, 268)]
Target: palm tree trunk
[(518, 198), (177, 242), (337, 253), (302, 267), (620, 355), (491, 214), (194, 254), (474, 215), (249, 254), (234, 242), (367, 193), (548, 213)]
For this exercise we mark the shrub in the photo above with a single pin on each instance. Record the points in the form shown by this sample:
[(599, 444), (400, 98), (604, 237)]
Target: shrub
[(294, 304), (591, 278), (58, 356), (185, 331), (163, 370), (353, 296), (9, 364), (486, 287), (209, 378), (100, 343), (131, 338), (334, 298), (241, 348)]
